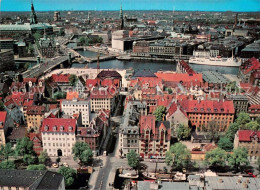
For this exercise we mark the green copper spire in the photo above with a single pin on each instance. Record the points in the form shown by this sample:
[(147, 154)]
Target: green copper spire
[(33, 17)]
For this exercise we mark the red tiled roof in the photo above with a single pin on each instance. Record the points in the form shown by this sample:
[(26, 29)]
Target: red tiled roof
[(3, 117), (26, 80), (91, 83), (177, 77), (187, 67), (35, 110), (245, 135), (172, 109), (61, 124), (60, 78), (207, 106), (147, 122), (28, 103), (253, 64), (72, 95)]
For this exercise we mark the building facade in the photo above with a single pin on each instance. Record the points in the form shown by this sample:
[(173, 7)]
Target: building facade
[(6, 60), (58, 136), (34, 117), (82, 107), (250, 140)]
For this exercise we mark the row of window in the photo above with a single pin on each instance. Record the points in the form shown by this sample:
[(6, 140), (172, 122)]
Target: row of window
[(58, 139)]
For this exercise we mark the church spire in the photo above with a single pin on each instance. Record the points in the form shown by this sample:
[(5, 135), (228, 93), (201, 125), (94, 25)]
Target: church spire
[(121, 17), (121, 12), (33, 17)]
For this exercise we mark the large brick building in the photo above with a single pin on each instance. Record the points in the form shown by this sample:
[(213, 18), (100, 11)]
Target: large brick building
[(201, 112), (154, 137)]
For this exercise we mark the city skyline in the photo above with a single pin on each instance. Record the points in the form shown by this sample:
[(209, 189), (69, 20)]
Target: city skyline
[(99, 5)]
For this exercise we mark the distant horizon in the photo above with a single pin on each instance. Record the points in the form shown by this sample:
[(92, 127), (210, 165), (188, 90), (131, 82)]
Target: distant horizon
[(132, 5)]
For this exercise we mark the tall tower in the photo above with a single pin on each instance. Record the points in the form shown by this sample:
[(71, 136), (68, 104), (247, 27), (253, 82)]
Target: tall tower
[(88, 20), (33, 17), (121, 17)]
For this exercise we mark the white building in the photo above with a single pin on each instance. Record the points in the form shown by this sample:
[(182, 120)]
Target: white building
[(82, 107), (58, 136)]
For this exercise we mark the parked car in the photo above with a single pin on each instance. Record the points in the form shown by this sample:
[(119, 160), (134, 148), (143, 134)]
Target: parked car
[(55, 165)]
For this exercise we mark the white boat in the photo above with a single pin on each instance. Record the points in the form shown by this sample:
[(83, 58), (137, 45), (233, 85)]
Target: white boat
[(215, 61)]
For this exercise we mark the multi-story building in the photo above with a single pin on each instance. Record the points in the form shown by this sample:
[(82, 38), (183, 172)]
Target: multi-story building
[(25, 179), (102, 98), (35, 115), (82, 107), (250, 140), (129, 133), (154, 137), (240, 103), (58, 136), (254, 111), (141, 48), (202, 112), (37, 142), (249, 72)]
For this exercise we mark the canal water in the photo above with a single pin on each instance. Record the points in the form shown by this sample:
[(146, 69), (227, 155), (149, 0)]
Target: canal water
[(153, 66)]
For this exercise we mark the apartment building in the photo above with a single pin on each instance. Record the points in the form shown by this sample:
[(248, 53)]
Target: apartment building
[(35, 115), (75, 106), (58, 136)]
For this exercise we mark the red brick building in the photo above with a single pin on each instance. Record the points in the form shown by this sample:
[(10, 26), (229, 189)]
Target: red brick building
[(154, 137)]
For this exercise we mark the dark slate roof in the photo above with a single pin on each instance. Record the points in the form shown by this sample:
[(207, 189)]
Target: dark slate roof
[(32, 179), (17, 133), (144, 73), (165, 123), (108, 73)]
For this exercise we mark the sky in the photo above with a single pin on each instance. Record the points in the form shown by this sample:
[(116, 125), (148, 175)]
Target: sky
[(183, 5)]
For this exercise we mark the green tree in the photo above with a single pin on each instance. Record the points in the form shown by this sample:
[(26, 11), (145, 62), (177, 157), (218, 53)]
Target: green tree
[(82, 40), (216, 157), (43, 157), (6, 151), (232, 130), (238, 158), (36, 167), (212, 130), (59, 95), (225, 144), (24, 148), (31, 49), (242, 119), (37, 35), (183, 132), (7, 164), (159, 113), (258, 120), (2, 106), (69, 175), (82, 151), (73, 80), (178, 156), (253, 125), (132, 159)]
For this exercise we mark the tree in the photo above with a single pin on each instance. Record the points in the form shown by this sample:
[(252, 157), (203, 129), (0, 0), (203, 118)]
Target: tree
[(59, 95), (73, 80), (253, 125), (232, 130), (82, 151), (2, 106), (43, 157), (183, 132), (258, 120), (238, 158), (225, 144), (242, 119), (24, 148), (7, 164), (6, 151), (68, 174), (82, 40), (159, 113), (37, 35), (212, 130), (36, 167), (133, 159), (216, 157), (178, 156), (30, 48)]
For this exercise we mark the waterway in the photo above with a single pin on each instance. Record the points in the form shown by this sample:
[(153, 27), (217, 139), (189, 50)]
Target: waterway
[(153, 66)]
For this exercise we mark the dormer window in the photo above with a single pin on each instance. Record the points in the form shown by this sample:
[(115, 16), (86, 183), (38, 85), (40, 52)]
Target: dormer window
[(70, 128), (55, 128), (46, 128), (215, 109), (61, 128), (222, 109)]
